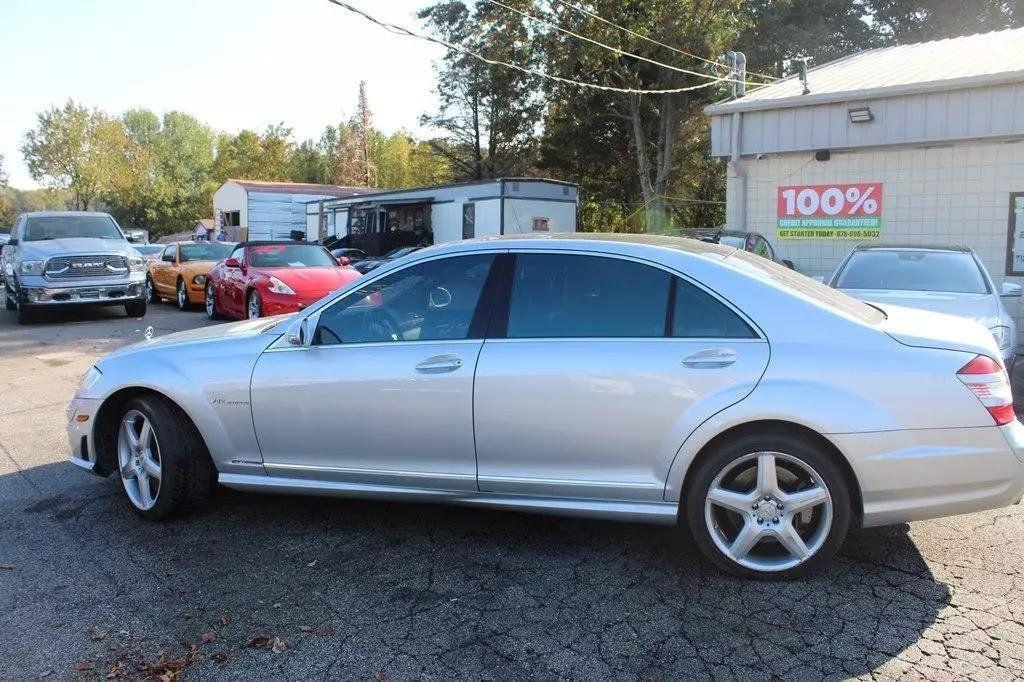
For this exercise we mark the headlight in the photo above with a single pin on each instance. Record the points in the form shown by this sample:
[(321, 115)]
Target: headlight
[(89, 380), (279, 287), (199, 279), (1002, 336), (31, 267), (136, 264)]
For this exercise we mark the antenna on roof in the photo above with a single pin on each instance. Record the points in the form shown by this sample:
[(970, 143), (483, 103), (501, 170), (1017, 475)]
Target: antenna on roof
[(802, 70)]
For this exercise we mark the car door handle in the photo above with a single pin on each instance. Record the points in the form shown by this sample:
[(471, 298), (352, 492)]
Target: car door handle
[(711, 358), (439, 363)]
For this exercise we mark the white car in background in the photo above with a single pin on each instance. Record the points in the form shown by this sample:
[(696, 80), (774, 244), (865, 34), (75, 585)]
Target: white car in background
[(943, 279)]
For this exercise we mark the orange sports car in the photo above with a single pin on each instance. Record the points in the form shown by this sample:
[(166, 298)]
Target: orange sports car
[(180, 271)]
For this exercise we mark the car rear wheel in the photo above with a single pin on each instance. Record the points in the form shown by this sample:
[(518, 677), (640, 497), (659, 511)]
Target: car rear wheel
[(254, 308), (151, 294), (162, 463), (210, 303), (182, 296), (772, 506)]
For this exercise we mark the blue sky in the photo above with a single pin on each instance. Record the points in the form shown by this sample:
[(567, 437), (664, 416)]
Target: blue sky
[(232, 63)]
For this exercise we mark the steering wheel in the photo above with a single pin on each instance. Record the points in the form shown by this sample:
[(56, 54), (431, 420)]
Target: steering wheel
[(439, 297), (383, 324)]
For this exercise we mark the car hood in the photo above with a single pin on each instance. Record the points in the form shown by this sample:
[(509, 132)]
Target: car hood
[(220, 332), (38, 250), (982, 308), (313, 279), (926, 329)]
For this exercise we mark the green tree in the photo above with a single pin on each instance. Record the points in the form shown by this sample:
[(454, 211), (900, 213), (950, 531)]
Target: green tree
[(79, 149), (488, 114), (251, 156)]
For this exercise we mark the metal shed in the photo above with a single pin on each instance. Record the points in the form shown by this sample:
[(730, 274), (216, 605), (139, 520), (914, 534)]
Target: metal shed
[(428, 215), (913, 143)]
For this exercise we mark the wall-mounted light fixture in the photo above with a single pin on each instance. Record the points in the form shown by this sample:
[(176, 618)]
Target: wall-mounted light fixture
[(861, 115)]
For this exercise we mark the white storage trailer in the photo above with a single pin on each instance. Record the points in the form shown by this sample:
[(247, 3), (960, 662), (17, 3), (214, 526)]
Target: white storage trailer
[(431, 215)]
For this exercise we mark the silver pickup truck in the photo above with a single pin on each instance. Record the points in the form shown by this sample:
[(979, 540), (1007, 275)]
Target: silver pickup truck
[(71, 258)]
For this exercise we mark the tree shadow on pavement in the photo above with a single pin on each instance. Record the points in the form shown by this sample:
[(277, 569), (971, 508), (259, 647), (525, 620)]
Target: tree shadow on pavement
[(355, 589)]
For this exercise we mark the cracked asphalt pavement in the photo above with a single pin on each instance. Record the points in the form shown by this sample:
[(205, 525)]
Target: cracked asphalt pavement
[(260, 586)]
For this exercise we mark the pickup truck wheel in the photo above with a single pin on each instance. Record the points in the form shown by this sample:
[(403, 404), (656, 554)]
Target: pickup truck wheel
[(135, 308), (162, 462), (9, 302), (25, 314)]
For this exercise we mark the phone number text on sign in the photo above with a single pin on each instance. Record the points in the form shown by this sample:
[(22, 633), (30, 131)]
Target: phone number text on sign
[(830, 211)]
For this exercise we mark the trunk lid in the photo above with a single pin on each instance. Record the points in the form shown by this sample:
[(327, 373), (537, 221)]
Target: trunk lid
[(927, 329)]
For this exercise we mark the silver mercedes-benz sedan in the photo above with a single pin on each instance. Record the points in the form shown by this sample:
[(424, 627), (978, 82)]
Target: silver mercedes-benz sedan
[(625, 377)]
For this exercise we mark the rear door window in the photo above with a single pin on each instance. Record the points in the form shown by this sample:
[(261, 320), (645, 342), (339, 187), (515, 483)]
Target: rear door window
[(581, 296), (699, 315)]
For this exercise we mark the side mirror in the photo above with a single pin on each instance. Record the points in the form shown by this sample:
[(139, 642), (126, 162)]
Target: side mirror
[(232, 263), (303, 336), (344, 261), (1012, 289)]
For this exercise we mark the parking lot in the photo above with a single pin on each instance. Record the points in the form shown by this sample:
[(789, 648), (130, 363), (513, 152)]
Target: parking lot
[(312, 588)]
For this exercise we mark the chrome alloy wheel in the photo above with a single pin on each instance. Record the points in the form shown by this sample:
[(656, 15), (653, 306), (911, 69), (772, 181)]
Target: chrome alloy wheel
[(210, 306), (138, 457), (254, 307), (768, 511), (182, 295)]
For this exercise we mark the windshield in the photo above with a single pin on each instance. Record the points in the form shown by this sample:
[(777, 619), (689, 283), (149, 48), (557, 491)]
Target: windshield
[(39, 228), (907, 270), (290, 256), (149, 249), (204, 251), (398, 253)]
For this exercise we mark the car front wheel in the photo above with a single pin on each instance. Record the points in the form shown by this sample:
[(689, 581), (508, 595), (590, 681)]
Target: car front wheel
[(162, 463), (773, 506), (254, 308), (210, 303)]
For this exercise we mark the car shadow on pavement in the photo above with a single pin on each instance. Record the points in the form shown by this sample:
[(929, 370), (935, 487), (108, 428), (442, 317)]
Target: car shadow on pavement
[(274, 586)]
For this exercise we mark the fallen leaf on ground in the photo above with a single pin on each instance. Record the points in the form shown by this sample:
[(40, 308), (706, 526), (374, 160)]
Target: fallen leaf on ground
[(259, 640), (311, 564), (209, 636), (221, 656), (95, 634), (225, 618), (82, 666), (306, 628), (188, 615), (45, 673), (279, 645), (117, 669)]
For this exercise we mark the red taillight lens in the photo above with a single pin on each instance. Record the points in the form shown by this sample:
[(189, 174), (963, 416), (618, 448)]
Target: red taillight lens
[(987, 380)]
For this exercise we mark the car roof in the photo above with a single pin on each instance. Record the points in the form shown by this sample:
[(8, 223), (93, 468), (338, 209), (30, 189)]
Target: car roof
[(912, 247), (54, 214), (270, 242)]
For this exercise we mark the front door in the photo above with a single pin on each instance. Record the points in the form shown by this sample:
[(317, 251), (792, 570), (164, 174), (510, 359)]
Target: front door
[(163, 271), (608, 364), (384, 395)]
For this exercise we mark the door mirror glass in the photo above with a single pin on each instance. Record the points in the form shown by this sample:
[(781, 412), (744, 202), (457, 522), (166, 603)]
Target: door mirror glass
[(433, 301), (232, 263), (1011, 289)]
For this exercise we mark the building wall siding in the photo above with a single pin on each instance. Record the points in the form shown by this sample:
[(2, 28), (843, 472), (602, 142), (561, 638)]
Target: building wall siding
[(953, 194), (991, 111), (273, 215)]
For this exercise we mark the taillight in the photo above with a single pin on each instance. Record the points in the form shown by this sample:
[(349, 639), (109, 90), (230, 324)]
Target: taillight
[(988, 382)]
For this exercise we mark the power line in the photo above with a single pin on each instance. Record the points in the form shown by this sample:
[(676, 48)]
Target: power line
[(399, 30), (594, 15), (616, 50)]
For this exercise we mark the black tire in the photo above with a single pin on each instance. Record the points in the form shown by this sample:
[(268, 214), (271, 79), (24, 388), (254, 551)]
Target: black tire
[(210, 304), (151, 296), (181, 297), (136, 308), (808, 452), (253, 300), (25, 314), (9, 302), (187, 474)]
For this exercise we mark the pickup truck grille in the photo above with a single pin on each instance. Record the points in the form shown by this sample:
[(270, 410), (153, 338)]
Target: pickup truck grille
[(73, 267)]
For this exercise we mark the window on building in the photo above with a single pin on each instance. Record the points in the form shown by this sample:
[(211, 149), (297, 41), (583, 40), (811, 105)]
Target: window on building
[(231, 218), (468, 221)]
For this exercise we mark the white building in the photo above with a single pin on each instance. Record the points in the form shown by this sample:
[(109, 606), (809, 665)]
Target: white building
[(428, 215), (253, 209), (912, 144)]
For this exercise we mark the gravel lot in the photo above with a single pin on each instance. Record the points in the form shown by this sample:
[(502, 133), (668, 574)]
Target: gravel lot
[(281, 587)]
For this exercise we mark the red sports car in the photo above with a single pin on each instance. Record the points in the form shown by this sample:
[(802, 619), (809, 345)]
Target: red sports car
[(270, 278)]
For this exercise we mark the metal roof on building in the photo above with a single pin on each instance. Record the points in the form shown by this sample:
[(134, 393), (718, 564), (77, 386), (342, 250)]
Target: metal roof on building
[(952, 63), (303, 188)]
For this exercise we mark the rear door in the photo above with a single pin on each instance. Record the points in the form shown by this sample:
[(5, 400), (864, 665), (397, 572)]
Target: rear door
[(603, 368)]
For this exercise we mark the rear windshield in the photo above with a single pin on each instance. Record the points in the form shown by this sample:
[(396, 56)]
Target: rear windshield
[(826, 296), (904, 270), (204, 251), (290, 256), (40, 228)]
